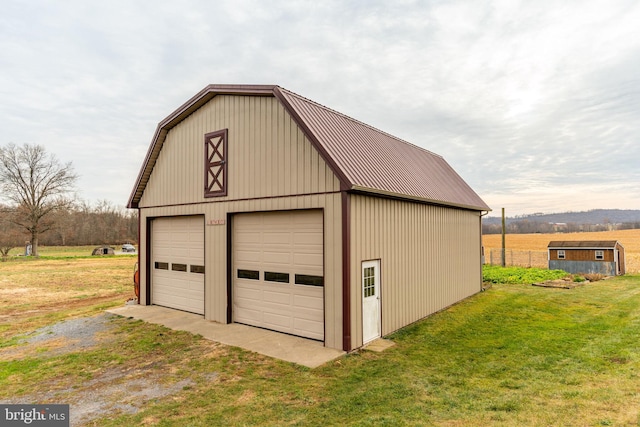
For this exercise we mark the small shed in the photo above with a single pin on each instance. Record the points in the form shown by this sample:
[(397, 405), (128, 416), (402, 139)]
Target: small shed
[(103, 250), (587, 256)]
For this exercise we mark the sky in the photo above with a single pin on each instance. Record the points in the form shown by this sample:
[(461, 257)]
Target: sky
[(536, 104)]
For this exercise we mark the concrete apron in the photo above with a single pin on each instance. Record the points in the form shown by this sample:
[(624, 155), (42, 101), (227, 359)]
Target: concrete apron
[(298, 350)]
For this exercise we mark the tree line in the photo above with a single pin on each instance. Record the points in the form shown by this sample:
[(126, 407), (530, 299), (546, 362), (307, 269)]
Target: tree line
[(526, 227), (37, 205), (79, 224)]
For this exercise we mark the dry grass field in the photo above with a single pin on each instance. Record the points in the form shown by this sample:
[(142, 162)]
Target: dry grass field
[(630, 239), (35, 291)]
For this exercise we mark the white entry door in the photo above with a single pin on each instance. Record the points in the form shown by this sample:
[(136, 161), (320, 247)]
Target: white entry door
[(371, 313)]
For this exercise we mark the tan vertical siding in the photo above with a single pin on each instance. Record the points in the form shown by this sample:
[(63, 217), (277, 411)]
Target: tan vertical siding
[(271, 166), (268, 155), (216, 251), (430, 258), (583, 255)]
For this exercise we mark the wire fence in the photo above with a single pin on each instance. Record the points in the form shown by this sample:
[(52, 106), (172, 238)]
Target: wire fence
[(517, 258)]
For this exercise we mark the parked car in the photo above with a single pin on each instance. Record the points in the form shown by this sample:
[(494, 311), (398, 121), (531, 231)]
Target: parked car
[(128, 248)]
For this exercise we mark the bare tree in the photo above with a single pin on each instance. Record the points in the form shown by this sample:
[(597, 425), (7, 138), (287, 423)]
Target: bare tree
[(86, 224), (37, 184)]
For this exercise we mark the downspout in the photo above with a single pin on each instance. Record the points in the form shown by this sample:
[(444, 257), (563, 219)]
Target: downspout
[(147, 262), (138, 263), (346, 271)]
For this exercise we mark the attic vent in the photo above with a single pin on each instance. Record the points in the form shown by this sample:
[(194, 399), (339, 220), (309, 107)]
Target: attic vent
[(215, 167)]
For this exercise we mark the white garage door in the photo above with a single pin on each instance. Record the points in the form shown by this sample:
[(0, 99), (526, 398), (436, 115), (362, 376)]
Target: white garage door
[(278, 271), (177, 263)]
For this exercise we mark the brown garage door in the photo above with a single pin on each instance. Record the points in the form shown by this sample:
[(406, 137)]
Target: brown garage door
[(278, 279)]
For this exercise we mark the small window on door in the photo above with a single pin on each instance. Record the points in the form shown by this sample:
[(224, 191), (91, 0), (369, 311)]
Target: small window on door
[(369, 282)]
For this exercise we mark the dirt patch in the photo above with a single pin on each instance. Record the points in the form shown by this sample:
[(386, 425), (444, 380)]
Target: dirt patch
[(105, 393), (114, 392), (61, 338), (26, 320)]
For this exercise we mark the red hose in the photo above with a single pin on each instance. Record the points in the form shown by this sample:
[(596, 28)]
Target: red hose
[(136, 281)]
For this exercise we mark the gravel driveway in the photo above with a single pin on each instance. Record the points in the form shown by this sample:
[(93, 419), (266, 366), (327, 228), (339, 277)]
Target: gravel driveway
[(118, 389)]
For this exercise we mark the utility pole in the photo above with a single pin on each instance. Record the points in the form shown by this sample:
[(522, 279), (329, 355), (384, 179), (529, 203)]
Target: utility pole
[(504, 245)]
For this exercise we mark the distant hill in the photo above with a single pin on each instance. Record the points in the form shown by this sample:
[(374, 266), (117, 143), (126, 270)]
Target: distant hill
[(596, 216)]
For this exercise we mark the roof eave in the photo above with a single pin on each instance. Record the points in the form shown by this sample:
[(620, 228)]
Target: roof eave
[(592, 246), (398, 196)]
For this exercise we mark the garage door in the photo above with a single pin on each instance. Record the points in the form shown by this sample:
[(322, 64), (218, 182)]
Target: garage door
[(177, 263), (278, 279)]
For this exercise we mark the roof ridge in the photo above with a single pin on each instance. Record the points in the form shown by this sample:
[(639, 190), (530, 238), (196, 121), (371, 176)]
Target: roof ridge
[(357, 121)]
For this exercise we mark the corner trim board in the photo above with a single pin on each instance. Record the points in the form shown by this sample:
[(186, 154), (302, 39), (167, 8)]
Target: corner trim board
[(147, 264), (346, 272)]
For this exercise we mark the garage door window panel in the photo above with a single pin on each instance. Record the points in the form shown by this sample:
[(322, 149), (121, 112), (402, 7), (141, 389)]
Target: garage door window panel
[(199, 269), (305, 279), (178, 267), (249, 274), (270, 276)]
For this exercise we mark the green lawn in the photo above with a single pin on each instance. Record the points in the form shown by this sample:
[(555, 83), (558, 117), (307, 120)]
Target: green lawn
[(514, 355), (62, 251)]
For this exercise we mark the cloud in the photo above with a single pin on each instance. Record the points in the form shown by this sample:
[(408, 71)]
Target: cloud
[(515, 95)]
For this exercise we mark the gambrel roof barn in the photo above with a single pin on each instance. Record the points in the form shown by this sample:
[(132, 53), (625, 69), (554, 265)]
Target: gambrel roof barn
[(262, 207)]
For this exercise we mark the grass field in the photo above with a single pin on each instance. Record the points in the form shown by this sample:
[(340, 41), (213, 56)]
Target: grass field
[(35, 292), (630, 239), (512, 355), (64, 251)]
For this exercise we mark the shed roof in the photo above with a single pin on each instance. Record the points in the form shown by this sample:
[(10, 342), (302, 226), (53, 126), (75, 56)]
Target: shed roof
[(364, 159), (583, 244)]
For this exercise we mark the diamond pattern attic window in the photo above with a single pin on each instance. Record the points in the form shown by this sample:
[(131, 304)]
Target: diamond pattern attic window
[(215, 167)]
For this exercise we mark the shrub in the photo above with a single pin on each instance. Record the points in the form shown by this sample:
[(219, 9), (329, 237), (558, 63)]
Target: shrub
[(515, 275)]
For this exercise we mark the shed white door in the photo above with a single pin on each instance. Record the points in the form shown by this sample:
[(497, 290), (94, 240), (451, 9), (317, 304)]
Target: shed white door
[(177, 263), (371, 313), (278, 278)]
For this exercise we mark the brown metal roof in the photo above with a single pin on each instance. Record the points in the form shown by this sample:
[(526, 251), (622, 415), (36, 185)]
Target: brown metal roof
[(373, 161), (606, 244), (365, 159)]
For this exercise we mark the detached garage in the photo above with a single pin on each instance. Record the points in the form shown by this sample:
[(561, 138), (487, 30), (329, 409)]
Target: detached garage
[(261, 207)]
